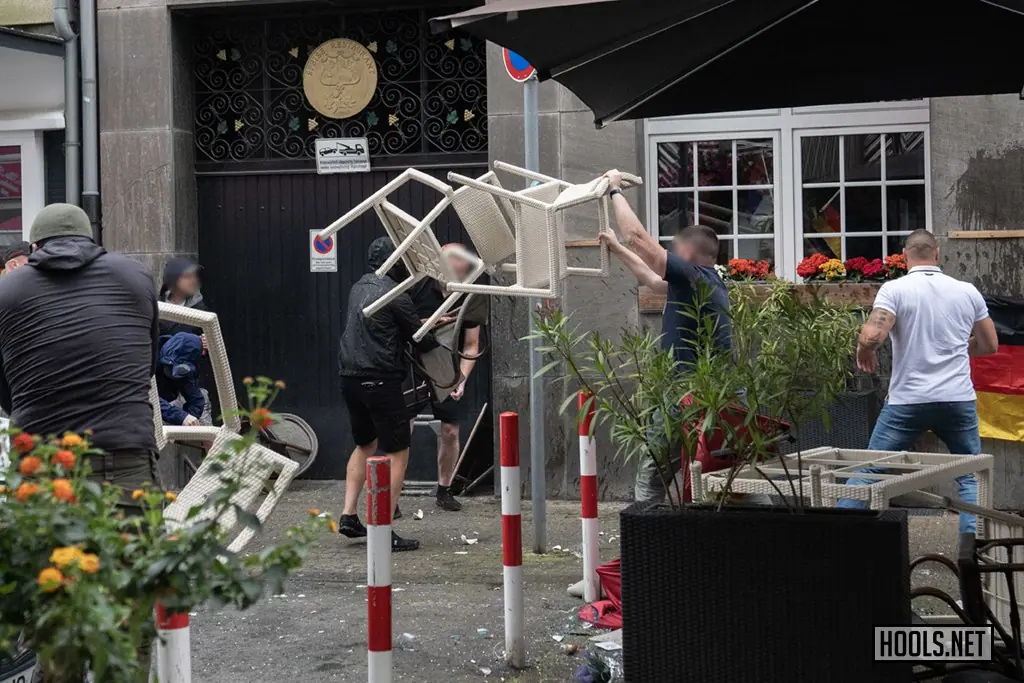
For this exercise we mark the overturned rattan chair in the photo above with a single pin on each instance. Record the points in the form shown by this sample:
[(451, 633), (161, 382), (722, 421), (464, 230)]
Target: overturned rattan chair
[(264, 474)]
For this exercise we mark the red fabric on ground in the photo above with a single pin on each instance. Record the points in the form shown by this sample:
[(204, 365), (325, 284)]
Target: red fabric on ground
[(606, 613)]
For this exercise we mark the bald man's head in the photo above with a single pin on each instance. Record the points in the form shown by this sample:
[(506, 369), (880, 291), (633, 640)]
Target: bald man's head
[(921, 249)]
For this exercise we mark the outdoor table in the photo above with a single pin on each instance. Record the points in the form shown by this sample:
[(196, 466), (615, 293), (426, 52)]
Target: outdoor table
[(820, 474)]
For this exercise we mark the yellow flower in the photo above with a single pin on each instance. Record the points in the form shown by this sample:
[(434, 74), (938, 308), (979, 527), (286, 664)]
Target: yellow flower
[(171, 496), (66, 556), (71, 440), (137, 494), (89, 563), (50, 579), (833, 269), (333, 526), (313, 512)]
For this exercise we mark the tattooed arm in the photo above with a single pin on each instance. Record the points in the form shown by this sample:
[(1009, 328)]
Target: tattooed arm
[(874, 332)]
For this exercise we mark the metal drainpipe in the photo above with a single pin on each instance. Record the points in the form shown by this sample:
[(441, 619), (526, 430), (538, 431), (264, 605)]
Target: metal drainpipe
[(90, 120), (72, 105)]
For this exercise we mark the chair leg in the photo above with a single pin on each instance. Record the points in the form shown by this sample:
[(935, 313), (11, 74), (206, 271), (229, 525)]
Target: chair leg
[(380, 303)]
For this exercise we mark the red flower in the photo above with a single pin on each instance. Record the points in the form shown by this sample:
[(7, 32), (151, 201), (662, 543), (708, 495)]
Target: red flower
[(873, 269), (23, 443), (811, 265), (856, 264), (261, 418)]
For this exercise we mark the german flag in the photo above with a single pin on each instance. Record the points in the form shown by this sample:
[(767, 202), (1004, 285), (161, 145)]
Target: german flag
[(999, 378)]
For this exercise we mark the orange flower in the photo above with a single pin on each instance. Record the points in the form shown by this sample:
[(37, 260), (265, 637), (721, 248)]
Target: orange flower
[(62, 490), (171, 496), (89, 563), (50, 580), (23, 443), (29, 465), (261, 418), (66, 556), (280, 384), (65, 459), (70, 440), (247, 381), (333, 526), (137, 494), (313, 512), (25, 491)]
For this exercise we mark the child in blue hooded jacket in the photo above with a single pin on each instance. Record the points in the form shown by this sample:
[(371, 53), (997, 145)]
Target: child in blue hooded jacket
[(178, 378)]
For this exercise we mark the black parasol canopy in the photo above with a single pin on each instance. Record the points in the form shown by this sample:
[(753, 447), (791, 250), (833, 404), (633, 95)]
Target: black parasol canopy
[(630, 59)]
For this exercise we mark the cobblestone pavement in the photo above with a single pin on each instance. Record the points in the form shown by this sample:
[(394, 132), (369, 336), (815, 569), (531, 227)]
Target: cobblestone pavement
[(444, 594)]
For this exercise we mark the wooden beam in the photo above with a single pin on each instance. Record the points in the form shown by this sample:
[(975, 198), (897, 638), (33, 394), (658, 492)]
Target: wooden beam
[(984, 234), (583, 243)]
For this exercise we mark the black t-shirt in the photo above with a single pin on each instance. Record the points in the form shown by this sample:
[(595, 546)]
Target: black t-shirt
[(428, 296), (679, 330)]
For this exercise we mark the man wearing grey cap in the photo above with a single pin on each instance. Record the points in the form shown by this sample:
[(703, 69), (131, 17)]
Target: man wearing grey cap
[(79, 341)]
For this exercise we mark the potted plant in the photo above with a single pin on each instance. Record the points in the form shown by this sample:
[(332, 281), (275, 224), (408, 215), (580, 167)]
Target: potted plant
[(80, 578), (718, 591)]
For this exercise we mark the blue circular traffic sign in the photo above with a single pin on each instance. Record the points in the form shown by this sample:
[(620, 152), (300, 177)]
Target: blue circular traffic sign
[(323, 246), (516, 66)]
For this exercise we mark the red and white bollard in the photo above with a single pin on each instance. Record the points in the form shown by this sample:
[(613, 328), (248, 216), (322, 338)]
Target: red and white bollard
[(588, 502), (512, 540), (378, 569), (173, 649)]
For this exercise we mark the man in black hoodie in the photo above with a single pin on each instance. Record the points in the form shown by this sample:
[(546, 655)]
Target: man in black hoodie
[(373, 365), (79, 342)]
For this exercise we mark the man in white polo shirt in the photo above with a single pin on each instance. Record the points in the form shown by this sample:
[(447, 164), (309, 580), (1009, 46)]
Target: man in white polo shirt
[(936, 323)]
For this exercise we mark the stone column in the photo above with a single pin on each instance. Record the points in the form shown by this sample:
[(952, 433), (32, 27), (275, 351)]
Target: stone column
[(147, 181)]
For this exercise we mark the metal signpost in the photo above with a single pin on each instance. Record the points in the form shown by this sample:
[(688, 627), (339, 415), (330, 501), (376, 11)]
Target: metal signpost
[(520, 70)]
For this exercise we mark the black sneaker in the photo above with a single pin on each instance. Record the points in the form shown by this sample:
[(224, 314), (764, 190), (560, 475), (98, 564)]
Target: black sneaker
[(399, 544), (349, 525), (398, 513), (446, 501)]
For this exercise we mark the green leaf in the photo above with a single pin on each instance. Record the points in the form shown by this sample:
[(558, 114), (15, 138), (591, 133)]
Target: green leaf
[(248, 519)]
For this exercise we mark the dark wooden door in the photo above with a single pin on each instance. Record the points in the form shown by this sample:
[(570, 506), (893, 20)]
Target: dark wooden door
[(284, 322)]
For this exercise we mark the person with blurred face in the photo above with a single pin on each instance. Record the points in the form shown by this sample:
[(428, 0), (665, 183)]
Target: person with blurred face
[(15, 256), (181, 286), (428, 297)]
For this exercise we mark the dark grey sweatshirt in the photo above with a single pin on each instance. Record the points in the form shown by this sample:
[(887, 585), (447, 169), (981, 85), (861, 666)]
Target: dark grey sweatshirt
[(78, 344)]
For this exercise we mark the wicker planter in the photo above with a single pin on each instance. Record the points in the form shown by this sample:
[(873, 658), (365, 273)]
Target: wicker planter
[(761, 594)]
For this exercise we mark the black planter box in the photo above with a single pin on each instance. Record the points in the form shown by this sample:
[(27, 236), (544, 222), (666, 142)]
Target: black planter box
[(759, 594)]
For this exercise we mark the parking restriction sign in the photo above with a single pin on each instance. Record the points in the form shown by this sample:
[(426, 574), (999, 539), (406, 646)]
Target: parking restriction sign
[(323, 254)]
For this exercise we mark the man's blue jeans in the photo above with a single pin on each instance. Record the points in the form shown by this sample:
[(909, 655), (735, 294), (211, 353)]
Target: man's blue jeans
[(899, 426)]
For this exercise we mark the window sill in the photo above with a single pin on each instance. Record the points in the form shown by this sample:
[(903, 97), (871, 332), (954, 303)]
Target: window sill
[(857, 293)]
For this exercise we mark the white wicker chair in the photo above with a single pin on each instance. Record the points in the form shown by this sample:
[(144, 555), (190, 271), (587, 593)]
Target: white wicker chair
[(541, 262), (210, 326), (256, 466)]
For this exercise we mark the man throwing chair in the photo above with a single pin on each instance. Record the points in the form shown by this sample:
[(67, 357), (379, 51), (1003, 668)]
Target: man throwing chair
[(936, 323)]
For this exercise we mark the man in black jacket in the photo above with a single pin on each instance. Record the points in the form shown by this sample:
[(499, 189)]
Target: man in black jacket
[(78, 345), (373, 365)]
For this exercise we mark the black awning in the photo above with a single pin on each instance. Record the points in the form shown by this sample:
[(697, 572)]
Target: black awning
[(16, 39), (629, 59)]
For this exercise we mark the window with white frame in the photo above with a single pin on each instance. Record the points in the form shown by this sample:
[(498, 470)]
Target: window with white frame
[(727, 185), (779, 185)]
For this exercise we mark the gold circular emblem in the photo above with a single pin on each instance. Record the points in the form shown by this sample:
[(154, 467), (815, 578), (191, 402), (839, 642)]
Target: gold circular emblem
[(340, 78)]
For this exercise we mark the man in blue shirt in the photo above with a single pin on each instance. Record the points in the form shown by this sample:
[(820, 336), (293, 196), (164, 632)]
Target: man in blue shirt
[(678, 274)]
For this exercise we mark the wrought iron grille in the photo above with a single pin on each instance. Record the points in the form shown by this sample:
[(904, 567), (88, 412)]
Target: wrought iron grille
[(431, 95)]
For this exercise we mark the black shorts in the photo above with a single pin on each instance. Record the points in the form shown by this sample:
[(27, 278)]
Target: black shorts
[(376, 410), (448, 411)]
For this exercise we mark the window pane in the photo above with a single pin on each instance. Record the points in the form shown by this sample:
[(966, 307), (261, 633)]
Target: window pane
[(905, 210), (755, 162), (821, 210), (715, 211), (756, 211), (904, 156), (10, 194), (829, 246), (714, 163), (863, 209), (675, 164), (862, 157), (894, 244), (757, 250), (673, 212), (726, 249), (820, 159), (868, 247)]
